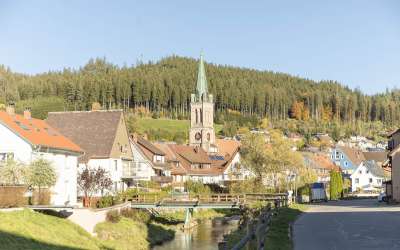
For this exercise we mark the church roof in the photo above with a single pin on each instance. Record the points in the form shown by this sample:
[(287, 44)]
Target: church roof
[(201, 89)]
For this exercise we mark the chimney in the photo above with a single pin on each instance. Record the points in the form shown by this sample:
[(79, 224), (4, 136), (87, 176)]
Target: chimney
[(27, 114), (10, 109)]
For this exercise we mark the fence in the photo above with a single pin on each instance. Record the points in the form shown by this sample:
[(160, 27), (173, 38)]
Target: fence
[(256, 229), (14, 196)]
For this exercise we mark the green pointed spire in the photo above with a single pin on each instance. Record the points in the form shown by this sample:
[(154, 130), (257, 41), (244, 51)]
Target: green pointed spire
[(202, 89)]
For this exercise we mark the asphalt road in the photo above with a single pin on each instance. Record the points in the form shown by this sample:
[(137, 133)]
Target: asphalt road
[(352, 225)]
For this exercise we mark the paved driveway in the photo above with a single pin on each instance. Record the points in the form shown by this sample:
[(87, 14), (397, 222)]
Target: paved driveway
[(352, 225)]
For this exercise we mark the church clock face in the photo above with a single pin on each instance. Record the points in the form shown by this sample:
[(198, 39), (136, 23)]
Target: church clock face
[(197, 136)]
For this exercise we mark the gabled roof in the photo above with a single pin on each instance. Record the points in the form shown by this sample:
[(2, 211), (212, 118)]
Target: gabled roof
[(390, 134), (227, 148), (94, 131), (377, 156), (172, 158), (149, 146), (192, 154), (354, 155), (374, 168), (37, 132)]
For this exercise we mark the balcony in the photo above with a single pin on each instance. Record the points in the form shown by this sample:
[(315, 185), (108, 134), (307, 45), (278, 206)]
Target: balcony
[(162, 179)]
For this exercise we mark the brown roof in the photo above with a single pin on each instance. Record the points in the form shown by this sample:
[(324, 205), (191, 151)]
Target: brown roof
[(377, 156), (37, 132), (324, 162), (94, 131), (227, 148), (393, 132), (354, 155), (192, 154), (149, 146), (188, 155)]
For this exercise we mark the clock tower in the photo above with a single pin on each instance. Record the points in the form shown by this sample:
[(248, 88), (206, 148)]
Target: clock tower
[(202, 114)]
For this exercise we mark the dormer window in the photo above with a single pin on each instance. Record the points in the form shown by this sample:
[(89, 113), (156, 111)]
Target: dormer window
[(158, 158)]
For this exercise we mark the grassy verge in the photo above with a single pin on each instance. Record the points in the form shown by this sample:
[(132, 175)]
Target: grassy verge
[(129, 234), (278, 235), (31, 230)]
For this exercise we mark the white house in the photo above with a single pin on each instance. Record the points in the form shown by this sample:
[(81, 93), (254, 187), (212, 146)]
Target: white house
[(26, 139), (103, 135), (367, 176)]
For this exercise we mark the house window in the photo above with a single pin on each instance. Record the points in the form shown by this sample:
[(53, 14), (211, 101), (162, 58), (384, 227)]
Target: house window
[(337, 155), (370, 180), (346, 163), (357, 181), (360, 171), (367, 171), (6, 156), (342, 156), (116, 165), (379, 181)]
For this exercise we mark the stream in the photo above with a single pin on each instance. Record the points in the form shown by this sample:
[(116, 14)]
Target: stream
[(205, 236)]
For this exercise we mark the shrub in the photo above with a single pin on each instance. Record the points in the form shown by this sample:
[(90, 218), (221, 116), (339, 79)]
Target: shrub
[(135, 214), (106, 201), (113, 216), (195, 187)]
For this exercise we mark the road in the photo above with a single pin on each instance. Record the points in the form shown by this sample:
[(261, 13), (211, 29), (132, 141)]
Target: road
[(352, 225)]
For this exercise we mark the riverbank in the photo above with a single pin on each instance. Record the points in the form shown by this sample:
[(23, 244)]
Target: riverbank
[(278, 236)]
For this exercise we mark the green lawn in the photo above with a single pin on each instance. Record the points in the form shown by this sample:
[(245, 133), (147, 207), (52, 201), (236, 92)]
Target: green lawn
[(31, 230), (129, 234), (173, 126), (278, 235)]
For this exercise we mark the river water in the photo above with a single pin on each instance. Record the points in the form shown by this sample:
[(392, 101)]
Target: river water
[(205, 236)]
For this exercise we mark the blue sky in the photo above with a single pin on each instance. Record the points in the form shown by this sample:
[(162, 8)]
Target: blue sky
[(354, 42)]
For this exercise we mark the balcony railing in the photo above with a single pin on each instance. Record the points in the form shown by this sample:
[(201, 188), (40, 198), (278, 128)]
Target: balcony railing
[(162, 179)]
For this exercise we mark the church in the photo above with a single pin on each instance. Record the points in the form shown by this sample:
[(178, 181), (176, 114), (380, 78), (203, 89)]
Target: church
[(206, 158)]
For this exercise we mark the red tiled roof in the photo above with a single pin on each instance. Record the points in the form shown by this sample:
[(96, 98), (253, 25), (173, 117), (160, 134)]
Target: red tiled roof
[(37, 132)]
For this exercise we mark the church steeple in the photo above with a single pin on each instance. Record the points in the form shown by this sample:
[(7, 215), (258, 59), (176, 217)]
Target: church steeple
[(201, 89)]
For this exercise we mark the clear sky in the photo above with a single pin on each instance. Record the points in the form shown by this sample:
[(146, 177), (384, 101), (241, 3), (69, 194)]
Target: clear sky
[(354, 42)]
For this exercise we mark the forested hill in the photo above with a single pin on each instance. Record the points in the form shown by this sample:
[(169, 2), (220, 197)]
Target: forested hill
[(165, 87)]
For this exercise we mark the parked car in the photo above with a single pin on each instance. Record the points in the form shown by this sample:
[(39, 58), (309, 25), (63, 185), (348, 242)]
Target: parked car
[(318, 192)]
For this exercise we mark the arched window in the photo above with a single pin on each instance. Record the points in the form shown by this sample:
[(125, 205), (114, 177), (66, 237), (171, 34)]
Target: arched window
[(201, 115), (197, 117)]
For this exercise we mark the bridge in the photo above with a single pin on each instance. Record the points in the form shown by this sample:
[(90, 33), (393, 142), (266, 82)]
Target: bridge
[(217, 201)]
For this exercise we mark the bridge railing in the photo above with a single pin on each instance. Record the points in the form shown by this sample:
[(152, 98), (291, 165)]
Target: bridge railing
[(278, 200)]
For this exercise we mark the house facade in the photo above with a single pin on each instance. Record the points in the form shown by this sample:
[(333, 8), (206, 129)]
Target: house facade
[(347, 158), (25, 139), (149, 162), (103, 135), (367, 177), (394, 163)]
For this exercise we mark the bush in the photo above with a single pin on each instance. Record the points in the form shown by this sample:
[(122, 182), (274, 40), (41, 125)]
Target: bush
[(195, 187), (136, 215), (304, 190), (106, 201), (113, 216)]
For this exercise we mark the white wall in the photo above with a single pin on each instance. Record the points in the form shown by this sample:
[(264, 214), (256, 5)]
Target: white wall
[(65, 190), (143, 169), (364, 178)]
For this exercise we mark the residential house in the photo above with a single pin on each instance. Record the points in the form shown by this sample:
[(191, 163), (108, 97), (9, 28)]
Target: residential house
[(178, 172), (367, 177), (26, 139), (347, 158), (394, 164), (321, 164), (149, 161), (103, 135)]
